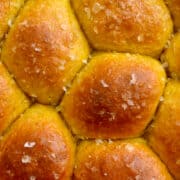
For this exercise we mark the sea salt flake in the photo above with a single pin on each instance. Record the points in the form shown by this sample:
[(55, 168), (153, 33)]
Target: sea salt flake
[(99, 141), (56, 176), (95, 29), (88, 12), (37, 49), (38, 70), (85, 61), (32, 178), (130, 102), (140, 38), (64, 88), (113, 116), (24, 23), (161, 99), (72, 57), (129, 147), (97, 7), (53, 155), (26, 159), (102, 112), (133, 79), (124, 106), (165, 65), (29, 144), (94, 169), (33, 95), (115, 157), (62, 65), (110, 141), (104, 84), (10, 22)]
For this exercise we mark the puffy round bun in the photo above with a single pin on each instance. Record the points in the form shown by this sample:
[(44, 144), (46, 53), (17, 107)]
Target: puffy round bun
[(38, 146), (172, 57), (174, 6), (12, 100), (136, 26), (42, 49), (129, 159), (111, 98), (164, 133)]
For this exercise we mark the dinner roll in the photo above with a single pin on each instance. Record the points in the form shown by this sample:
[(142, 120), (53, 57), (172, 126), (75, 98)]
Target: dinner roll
[(12, 100), (164, 133), (125, 160), (115, 96), (136, 26), (8, 11), (172, 57), (38, 146), (45, 48)]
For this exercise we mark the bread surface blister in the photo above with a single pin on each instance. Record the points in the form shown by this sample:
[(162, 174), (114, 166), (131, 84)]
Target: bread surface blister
[(90, 89)]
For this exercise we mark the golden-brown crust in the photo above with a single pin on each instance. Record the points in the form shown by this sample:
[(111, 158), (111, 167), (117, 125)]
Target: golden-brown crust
[(38, 146), (129, 159), (172, 57), (8, 10), (174, 6), (12, 100), (114, 97), (42, 49), (138, 26), (164, 133)]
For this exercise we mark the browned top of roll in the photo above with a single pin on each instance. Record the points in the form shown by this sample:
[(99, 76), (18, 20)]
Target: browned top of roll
[(138, 26), (38, 146), (42, 49), (130, 159), (164, 133), (115, 96)]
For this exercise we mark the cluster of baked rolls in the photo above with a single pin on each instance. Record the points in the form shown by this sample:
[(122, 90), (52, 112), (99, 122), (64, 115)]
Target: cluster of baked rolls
[(90, 89)]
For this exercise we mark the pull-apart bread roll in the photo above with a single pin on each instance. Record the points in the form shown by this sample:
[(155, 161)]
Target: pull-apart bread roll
[(12, 101), (37, 146), (115, 96), (45, 48), (120, 160), (8, 11), (137, 26), (172, 57), (164, 133)]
